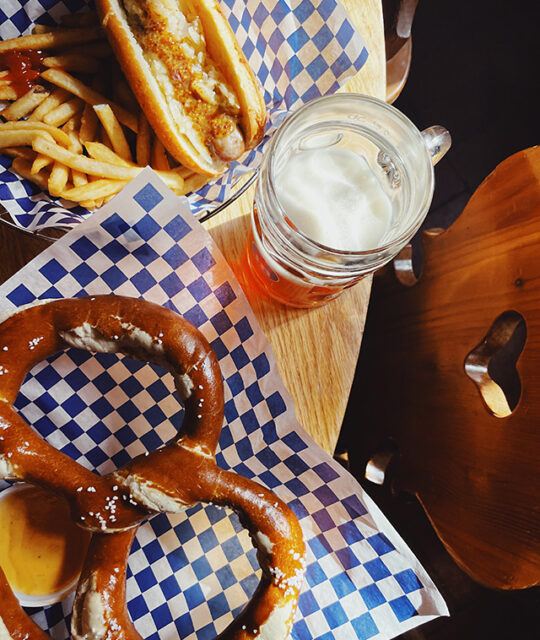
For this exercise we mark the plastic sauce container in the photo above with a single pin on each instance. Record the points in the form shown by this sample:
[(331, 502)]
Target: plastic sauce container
[(41, 549)]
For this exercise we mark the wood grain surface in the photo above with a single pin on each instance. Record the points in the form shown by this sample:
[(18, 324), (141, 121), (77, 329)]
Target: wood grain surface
[(317, 349), (441, 386)]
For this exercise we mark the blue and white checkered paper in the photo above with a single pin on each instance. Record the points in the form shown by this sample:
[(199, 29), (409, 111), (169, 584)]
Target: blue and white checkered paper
[(190, 573), (298, 49)]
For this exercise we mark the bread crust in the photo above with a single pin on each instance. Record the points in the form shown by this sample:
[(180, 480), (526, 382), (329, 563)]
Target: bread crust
[(177, 133)]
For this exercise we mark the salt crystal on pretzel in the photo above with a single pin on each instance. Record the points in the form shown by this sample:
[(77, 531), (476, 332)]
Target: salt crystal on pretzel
[(181, 474)]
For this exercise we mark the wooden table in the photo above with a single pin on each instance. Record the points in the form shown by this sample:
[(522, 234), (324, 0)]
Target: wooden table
[(317, 349)]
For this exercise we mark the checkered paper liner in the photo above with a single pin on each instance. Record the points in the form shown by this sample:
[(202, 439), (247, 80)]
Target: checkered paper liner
[(190, 573), (299, 50)]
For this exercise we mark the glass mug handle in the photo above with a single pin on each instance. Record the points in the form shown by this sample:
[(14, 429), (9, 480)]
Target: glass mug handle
[(437, 140)]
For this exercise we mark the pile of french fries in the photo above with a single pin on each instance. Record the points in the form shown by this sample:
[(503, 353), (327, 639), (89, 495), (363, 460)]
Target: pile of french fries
[(79, 133)]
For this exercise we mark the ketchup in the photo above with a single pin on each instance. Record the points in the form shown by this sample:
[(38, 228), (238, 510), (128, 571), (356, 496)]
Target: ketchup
[(24, 68)]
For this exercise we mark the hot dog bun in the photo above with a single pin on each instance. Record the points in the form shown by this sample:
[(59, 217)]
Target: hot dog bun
[(190, 77)]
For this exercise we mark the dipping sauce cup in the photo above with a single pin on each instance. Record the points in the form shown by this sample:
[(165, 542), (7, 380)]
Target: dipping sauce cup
[(41, 549), (345, 183)]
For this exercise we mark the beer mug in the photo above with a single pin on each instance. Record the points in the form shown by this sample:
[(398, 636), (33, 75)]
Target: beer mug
[(345, 183)]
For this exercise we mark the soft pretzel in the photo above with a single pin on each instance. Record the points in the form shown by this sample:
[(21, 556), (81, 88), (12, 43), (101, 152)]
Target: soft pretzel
[(178, 475)]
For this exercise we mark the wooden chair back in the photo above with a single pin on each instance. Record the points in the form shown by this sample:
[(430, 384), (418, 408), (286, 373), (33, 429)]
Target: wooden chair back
[(398, 16), (443, 396)]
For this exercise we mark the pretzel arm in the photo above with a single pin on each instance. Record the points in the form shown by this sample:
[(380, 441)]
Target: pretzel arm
[(14, 623), (100, 609), (277, 535), (24, 456), (170, 479)]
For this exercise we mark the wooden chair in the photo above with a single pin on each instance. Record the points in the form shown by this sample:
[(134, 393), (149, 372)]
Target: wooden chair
[(449, 374), (398, 18)]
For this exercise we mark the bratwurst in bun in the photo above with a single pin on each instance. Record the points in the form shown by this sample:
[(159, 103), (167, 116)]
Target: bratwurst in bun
[(190, 77)]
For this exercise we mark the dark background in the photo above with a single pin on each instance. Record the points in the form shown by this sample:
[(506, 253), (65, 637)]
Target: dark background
[(475, 70)]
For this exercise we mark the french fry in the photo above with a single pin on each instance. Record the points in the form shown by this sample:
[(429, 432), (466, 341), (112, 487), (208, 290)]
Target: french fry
[(26, 125), (78, 178), (114, 130), (57, 97), (89, 204), (7, 92), (43, 28), (73, 62), (158, 159), (97, 168), (52, 39), (24, 138), (94, 190), (89, 124), (42, 161), (71, 127), (76, 87), (20, 152), (22, 167), (39, 163), (192, 183), (84, 164), (142, 148), (64, 112), (183, 171), (103, 137), (99, 151), (26, 103), (58, 178)]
